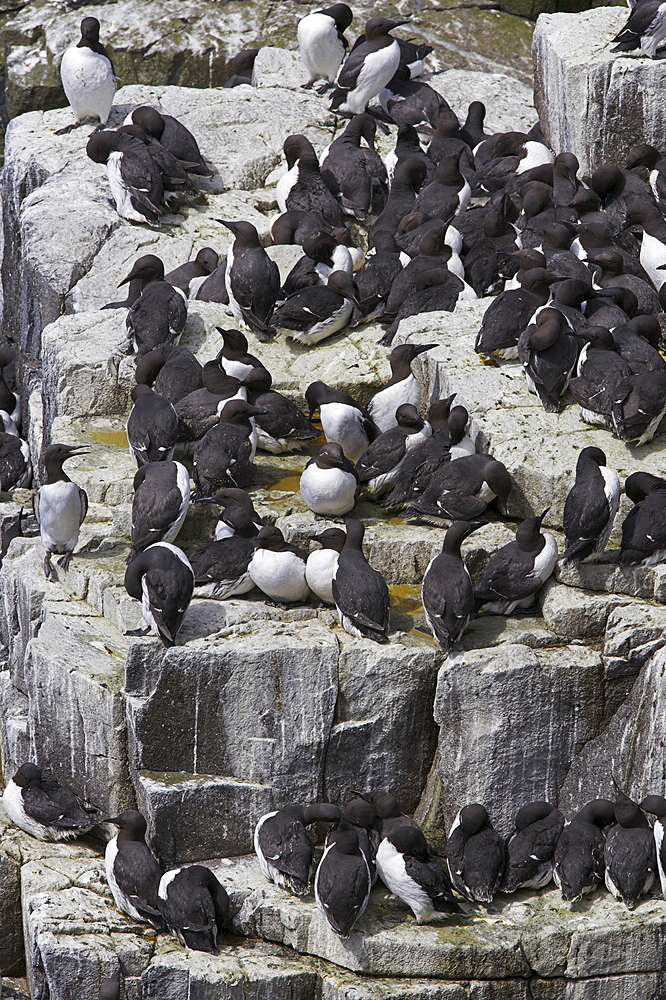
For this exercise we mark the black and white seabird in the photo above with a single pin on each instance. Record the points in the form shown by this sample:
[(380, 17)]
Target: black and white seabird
[(639, 406), (15, 464), (222, 568), (411, 102), (656, 805), (476, 854), (368, 67), (590, 506), (402, 387), (278, 568), (202, 266), (242, 64), (508, 315), (361, 815), (60, 506), (409, 870), (379, 466), (548, 352), (638, 344), (462, 490), (322, 43), (421, 462), (447, 194), (162, 579), (175, 179), (319, 311), (172, 371), (200, 410), (352, 171), (407, 146), (599, 371), (630, 854), (234, 358), (374, 280), (160, 503), (44, 808), (283, 846), (194, 905), (132, 871), (322, 254), (152, 426), (159, 315), (322, 563), (173, 135), (293, 147), (531, 849), (342, 883), (231, 497), (644, 528), (282, 426), (88, 77), (579, 855), (223, 456), (328, 482), (303, 189), (343, 420), (360, 592), (406, 182), (435, 289), (447, 593), (513, 575), (609, 272), (646, 215), (645, 29), (252, 279), (134, 177)]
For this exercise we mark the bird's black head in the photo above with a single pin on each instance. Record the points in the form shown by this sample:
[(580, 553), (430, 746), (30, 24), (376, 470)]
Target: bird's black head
[(27, 775)]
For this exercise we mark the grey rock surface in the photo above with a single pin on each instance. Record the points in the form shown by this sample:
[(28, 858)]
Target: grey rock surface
[(577, 614), (511, 720), (629, 746), (589, 99)]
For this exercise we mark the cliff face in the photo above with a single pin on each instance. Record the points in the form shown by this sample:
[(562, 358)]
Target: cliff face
[(258, 706)]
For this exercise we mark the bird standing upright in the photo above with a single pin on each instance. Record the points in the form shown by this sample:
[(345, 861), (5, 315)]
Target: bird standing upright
[(60, 506), (322, 43), (88, 78), (252, 279)]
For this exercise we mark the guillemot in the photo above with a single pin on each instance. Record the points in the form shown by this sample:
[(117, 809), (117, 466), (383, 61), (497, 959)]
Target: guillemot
[(360, 592), (162, 579), (60, 506), (88, 77), (194, 905), (44, 808)]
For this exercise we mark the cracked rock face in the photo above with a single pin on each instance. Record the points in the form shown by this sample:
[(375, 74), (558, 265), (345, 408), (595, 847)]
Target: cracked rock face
[(591, 100)]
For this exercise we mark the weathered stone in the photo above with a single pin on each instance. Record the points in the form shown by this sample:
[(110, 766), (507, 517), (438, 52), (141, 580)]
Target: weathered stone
[(630, 747), (647, 985), (633, 633), (577, 614), (508, 101), (511, 719), (590, 100), (539, 449), (647, 582)]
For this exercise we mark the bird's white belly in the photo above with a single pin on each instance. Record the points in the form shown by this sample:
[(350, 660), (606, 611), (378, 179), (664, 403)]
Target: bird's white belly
[(319, 571), (345, 428), (88, 82), (59, 516), (328, 491), (281, 575)]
